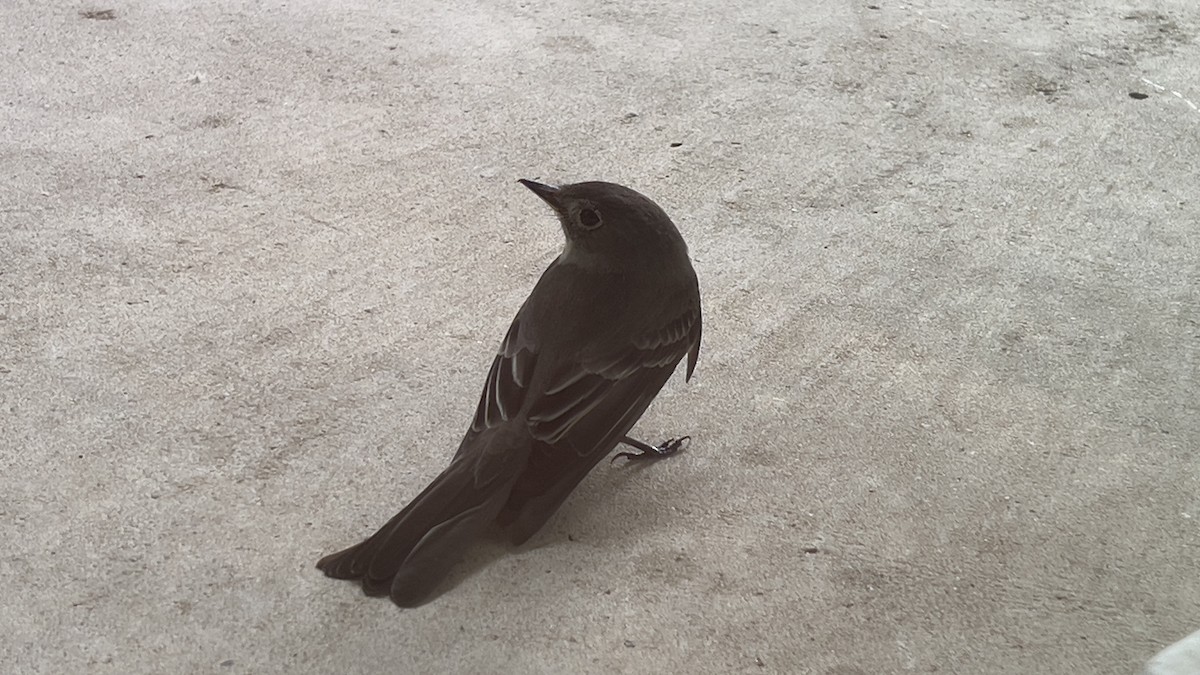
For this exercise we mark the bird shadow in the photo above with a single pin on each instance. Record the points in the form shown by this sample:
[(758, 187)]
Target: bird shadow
[(599, 491), (595, 493)]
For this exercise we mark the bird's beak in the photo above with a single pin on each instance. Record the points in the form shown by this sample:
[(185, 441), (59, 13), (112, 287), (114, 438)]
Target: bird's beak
[(548, 193)]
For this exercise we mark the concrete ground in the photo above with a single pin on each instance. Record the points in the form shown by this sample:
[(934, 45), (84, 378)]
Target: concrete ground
[(255, 259)]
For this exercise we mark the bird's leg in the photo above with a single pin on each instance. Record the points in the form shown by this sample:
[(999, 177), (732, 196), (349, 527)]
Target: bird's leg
[(664, 449)]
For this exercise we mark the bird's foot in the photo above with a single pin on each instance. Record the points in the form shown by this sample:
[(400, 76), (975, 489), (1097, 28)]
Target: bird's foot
[(665, 449)]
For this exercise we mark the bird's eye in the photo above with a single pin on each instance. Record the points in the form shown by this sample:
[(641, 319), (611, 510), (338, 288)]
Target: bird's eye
[(589, 219)]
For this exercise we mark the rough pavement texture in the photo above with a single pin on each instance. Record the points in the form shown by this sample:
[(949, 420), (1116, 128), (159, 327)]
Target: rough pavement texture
[(256, 257)]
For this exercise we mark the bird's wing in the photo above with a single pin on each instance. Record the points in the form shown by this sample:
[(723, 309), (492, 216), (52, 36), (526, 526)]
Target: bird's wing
[(585, 400), (506, 387), (592, 402), (585, 411), (508, 381)]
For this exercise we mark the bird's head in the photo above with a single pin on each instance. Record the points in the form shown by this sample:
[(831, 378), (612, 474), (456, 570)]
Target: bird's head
[(610, 222)]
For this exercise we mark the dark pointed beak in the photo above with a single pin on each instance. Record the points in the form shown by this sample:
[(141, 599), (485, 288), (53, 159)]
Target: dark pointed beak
[(548, 193)]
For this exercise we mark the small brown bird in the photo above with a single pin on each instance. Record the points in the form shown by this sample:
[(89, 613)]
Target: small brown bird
[(589, 350)]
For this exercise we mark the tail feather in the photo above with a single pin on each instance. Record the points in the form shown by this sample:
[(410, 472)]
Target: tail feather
[(428, 563), (410, 555)]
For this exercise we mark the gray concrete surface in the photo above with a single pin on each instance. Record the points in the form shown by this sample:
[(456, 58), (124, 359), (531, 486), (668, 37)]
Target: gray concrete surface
[(257, 256)]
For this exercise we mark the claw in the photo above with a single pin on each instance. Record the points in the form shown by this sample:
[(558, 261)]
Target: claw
[(665, 449)]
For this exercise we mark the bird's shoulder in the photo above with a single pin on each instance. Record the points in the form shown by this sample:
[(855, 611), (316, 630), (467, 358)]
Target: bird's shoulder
[(579, 330), (594, 311)]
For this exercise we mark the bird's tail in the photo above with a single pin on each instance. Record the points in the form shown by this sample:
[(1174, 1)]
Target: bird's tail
[(411, 555)]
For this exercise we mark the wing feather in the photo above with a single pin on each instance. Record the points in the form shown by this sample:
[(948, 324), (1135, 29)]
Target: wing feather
[(507, 382), (586, 398)]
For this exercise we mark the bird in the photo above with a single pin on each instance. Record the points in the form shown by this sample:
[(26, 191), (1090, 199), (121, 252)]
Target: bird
[(599, 335)]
